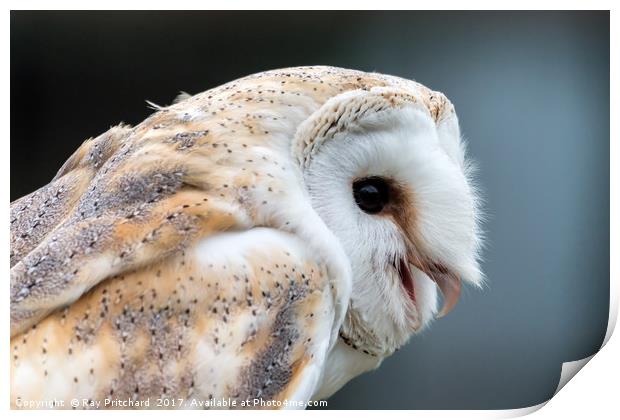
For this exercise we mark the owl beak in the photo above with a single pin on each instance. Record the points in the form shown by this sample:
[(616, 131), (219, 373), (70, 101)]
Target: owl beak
[(448, 282)]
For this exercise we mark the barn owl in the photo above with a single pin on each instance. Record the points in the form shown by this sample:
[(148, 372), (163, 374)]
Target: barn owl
[(268, 239)]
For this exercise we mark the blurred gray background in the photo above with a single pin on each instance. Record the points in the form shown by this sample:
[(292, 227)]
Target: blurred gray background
[(532, 93)]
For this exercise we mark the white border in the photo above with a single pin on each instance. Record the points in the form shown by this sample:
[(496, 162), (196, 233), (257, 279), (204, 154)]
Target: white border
[(312, 5), (593, 394)]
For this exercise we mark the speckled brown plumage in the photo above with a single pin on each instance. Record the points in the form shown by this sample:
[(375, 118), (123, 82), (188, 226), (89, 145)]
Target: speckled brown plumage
[(173, 330)]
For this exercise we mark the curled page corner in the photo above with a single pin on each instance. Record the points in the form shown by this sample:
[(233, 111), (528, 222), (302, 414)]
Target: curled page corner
[(570, 369)]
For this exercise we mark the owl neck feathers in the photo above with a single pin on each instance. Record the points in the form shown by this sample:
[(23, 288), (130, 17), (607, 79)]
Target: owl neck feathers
[(358, 335)]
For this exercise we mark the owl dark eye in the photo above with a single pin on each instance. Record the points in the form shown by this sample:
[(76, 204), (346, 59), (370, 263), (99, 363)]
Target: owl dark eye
[(371, 194)]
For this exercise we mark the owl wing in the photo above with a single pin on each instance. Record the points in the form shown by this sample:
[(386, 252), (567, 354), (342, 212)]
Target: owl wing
[(35, 215), (243, 317), (119, 203)]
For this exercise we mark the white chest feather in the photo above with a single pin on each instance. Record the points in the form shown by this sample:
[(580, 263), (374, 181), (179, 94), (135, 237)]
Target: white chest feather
[(343, 364)]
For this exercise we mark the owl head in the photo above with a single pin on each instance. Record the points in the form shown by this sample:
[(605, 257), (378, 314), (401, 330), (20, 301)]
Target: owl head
[(386, 170)]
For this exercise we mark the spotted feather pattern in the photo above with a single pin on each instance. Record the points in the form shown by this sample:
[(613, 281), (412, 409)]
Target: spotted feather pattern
[(195, 327)]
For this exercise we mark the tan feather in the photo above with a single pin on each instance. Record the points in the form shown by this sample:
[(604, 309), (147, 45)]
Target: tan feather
[(183, 328)]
